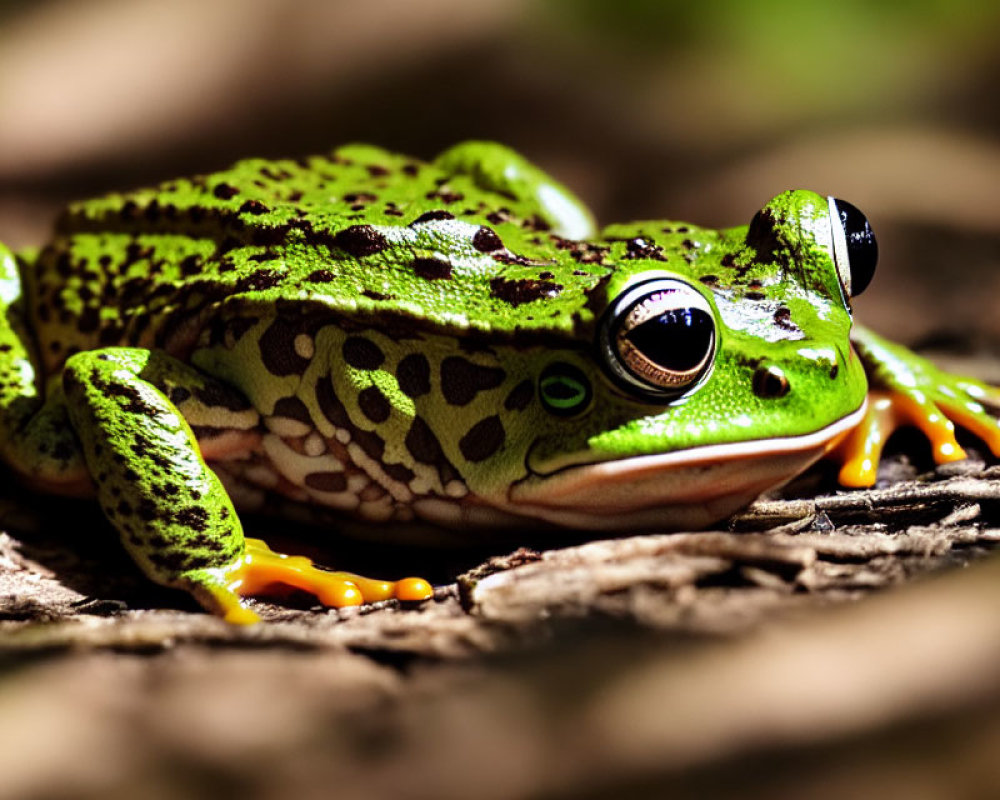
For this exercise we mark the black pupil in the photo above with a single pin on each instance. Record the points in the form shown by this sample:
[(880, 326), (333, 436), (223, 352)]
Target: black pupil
[(677, 340), (862, 249)]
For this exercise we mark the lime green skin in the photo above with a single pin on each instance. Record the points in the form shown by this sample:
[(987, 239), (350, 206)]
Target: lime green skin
[(364, 332)]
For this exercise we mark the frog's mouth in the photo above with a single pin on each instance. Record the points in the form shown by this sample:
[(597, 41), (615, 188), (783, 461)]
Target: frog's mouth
[(687, 489)]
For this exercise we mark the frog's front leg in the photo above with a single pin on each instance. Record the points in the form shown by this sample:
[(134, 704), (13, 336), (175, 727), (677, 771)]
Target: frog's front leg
[(174, 516), (909, 390), (496, 168)]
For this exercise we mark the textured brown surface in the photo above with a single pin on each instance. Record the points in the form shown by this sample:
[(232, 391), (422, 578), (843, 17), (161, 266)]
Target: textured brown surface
[(735, 663)]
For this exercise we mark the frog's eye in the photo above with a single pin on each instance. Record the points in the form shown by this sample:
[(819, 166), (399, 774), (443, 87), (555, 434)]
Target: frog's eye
[(658, 338), (564, 389), (855, 250)]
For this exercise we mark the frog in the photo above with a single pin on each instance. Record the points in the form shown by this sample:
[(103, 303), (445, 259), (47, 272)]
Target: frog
[(442, 347)]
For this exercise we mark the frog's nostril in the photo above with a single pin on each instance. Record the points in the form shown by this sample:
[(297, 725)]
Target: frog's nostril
[(770, 381)]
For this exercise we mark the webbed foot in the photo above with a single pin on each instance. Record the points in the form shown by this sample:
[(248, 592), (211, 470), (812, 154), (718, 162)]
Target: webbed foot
[(260, 569), (910, 390)]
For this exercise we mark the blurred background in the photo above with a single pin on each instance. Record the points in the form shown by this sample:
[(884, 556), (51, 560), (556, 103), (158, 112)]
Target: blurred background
[(647, 108)]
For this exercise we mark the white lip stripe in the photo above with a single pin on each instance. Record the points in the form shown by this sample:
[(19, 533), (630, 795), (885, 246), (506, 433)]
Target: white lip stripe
[(713, 452)]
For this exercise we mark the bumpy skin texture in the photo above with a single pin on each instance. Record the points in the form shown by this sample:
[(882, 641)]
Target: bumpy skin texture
[(369, 334)]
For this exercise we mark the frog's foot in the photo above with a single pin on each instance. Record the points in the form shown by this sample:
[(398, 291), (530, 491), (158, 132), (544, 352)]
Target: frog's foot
[(261, 570), (956, 401)]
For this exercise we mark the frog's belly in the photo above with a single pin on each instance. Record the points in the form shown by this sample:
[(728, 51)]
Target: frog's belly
[(671, 491)]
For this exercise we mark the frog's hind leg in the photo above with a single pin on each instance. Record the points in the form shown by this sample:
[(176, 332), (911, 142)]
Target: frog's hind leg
[(173, 514), (36, 439), (496, 168)]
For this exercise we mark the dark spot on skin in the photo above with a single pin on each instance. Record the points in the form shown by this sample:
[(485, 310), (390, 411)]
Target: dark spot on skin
[(134, 402), (445, 196), (173, 562), (330, 404), (834, 370), (373, 404), (373, 295), (430, 216), (370, 442), (177, 394), (399, 472), (486, 240), (640, 248), (326, 481), (360, 241), (225, 191), (461, 380), (253, 207), (260, 280), (321, 276), (219, 396), (525, 290), (292, 408), (193, 517), (190, 265), (709, 280), (754, 295), (362, 353), (483, 439), (520, 396), (376, 170), (410, 169), (413, 374), (783, 319), (89, 320), (431, 268), (499, 216), (236, 328), (277, 348), (422, 444), (503, 257), (147, 510)]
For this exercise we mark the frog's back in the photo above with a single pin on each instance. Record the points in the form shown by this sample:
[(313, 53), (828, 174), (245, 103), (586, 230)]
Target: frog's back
[(362, 233)]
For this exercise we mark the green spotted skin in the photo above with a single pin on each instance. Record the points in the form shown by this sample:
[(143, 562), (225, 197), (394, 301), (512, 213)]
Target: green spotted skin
[(367, 334)]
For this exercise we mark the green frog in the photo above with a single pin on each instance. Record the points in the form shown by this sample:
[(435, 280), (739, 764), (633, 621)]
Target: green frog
[(448, 345)]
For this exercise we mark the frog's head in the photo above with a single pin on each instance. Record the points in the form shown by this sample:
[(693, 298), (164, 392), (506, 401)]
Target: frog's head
[(719, 368)]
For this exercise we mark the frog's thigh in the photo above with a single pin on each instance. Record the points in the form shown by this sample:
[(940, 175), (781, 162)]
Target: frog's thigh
[(174, 516), (496, 168)]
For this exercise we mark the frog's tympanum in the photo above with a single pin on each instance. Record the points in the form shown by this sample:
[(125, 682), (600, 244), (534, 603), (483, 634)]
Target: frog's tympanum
[(437, 345)]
